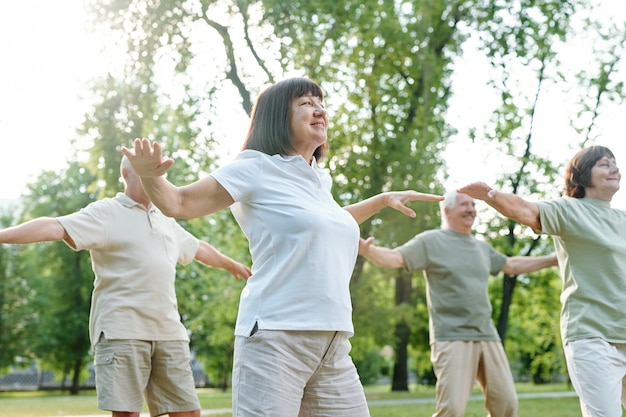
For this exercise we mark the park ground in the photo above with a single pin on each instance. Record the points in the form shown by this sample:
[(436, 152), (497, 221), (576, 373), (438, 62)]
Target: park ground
[(553, 400)]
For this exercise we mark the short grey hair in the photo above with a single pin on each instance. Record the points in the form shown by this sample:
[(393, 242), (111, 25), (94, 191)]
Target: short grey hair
[(125, 165), (449, 201)]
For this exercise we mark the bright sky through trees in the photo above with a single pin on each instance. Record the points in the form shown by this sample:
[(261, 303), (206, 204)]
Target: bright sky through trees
[(47, 58)]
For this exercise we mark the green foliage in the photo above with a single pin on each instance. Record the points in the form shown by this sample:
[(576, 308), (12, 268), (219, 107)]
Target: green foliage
[(120, 115), (386, 68), (59, 280), (209, 311), (209, 297), (525, 39), (14, 295), (137, 107), (371, 366), (534, 344)]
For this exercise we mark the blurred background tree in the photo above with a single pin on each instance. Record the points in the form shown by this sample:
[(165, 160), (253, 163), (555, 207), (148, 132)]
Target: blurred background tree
[(192, 67)]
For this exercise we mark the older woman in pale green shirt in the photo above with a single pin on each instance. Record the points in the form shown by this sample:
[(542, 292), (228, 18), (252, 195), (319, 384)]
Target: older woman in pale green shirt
[(590, 240)]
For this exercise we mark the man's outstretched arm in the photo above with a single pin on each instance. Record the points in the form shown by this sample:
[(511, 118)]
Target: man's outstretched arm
[(43, 229)]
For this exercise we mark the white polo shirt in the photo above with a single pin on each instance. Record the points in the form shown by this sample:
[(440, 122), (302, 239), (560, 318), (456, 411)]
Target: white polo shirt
[(303, 244), (134, 253)]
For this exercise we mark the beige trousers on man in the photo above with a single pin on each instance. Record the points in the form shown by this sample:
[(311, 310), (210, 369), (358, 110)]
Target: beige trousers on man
[(458, 364)]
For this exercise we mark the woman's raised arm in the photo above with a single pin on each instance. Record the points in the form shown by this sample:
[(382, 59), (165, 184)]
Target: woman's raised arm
[(197, 199)]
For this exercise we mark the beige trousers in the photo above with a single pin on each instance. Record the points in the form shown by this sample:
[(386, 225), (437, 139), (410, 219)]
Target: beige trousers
[(296, 373), (458, 364), (597, 369)]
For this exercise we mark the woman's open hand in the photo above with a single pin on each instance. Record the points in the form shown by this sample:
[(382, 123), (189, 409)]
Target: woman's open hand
[(147, 159)]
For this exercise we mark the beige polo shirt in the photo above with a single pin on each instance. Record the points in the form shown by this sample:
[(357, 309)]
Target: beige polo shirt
[(134, 253)]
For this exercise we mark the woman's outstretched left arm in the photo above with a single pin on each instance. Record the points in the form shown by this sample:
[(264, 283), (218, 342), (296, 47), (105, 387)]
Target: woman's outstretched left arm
[(398, 200)]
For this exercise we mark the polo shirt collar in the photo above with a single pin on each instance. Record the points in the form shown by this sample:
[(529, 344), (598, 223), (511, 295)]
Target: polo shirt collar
[(295, 158), (128, 202)]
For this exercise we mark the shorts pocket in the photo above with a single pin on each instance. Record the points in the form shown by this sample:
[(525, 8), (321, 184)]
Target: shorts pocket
[(103, 359)]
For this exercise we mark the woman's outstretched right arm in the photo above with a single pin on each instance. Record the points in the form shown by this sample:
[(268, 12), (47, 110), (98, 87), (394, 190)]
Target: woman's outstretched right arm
[(510, 205), (197, 199)]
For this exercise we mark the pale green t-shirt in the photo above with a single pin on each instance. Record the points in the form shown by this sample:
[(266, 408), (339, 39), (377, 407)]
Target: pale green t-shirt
[(457, 269), (590, 242)]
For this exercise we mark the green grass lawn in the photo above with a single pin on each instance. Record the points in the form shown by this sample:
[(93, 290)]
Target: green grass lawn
[(40, 404), (528, 407)]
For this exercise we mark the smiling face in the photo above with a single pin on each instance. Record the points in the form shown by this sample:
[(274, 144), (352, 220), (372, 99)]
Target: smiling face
[(604, 179), (460, 218), (286, 117), (308, 123), (592, 173)]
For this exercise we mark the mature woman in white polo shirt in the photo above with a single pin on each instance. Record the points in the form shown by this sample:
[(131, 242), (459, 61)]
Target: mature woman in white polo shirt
[(295, 314)]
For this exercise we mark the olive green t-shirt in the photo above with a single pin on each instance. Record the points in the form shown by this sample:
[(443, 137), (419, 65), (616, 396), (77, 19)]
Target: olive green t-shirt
[(590, 241), (457, 268)]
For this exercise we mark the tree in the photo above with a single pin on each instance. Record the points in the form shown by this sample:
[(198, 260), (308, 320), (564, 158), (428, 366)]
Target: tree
[(389, 72), (514, 119), (534, 343), (60, 279), (387, 69), (512, 133), (393, 62), (207, 298), (14, 296)]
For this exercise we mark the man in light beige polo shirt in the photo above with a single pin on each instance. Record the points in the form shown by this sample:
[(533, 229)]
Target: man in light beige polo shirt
[(141, 346)]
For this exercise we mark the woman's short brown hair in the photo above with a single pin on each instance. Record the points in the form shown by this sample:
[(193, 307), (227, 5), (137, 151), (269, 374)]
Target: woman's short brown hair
[(578, 169), (269, 121)]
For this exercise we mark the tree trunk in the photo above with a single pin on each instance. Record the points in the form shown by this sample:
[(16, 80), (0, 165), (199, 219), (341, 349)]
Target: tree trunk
[(400, 380), (508, 287), (404, 290), (78, 365)]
